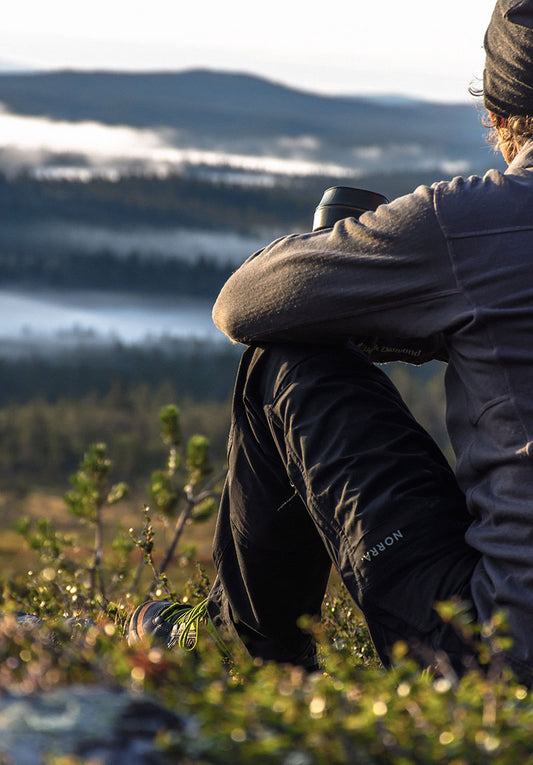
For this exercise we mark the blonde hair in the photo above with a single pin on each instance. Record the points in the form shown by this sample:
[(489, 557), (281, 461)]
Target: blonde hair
[(510, 134)]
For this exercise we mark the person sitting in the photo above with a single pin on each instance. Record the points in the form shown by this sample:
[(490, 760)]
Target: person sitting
[(326, 463)]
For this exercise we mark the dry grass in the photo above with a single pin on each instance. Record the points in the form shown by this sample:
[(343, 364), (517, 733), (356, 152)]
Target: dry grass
[(16, 558)]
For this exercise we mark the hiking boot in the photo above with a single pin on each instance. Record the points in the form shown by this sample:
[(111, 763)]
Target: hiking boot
[(168, 624)]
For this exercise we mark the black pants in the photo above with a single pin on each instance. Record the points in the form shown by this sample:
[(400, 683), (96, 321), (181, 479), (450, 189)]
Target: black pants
[(327, 465)]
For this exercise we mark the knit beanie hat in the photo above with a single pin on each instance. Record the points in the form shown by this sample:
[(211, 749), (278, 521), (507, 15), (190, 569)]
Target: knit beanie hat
[(508, 74)]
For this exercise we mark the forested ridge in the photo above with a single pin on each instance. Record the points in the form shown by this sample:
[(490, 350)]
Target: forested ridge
[(201, 370), (41, 441), (174, 200), (178, 200), (109, 272)]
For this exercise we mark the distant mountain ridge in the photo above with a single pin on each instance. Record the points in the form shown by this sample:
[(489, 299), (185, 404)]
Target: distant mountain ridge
[(75, 94), (211, 107)]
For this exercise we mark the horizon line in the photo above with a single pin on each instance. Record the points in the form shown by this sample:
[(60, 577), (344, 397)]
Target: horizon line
[(390, 96)]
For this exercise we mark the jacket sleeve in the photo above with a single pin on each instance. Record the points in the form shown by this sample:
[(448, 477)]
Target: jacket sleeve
[(387, 275)]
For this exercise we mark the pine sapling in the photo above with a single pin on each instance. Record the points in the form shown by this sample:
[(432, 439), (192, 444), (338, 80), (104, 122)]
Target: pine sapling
[(91, 493), (186, 492)]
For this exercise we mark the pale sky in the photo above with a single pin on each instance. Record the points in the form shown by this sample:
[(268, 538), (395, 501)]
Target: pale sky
[(415, 47)]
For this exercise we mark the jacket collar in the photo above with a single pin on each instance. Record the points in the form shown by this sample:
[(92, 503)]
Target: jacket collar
[(523, 160)]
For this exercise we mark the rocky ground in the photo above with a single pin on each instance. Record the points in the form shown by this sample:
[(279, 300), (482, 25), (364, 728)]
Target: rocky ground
[(110, 727)]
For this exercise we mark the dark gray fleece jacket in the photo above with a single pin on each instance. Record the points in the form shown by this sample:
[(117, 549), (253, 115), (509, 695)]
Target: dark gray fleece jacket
[(450, 266)]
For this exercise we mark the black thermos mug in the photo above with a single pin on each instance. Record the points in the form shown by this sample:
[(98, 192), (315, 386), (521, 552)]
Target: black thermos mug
[(340, 202)]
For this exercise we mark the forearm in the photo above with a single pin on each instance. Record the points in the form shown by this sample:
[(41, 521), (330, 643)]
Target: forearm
[(381, 277)]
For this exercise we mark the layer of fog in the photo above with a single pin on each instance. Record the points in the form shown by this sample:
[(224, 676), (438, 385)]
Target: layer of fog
[(32, 317), (82, 150), (143, 241)]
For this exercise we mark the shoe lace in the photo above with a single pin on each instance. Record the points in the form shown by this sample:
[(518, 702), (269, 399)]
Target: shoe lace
[(188, 618)]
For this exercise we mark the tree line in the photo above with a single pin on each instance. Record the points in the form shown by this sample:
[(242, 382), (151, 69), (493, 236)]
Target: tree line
[(53, 405), (202, 370), (174, 200), (41, 441), (47, 268), (286, 204), (51, 409)]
